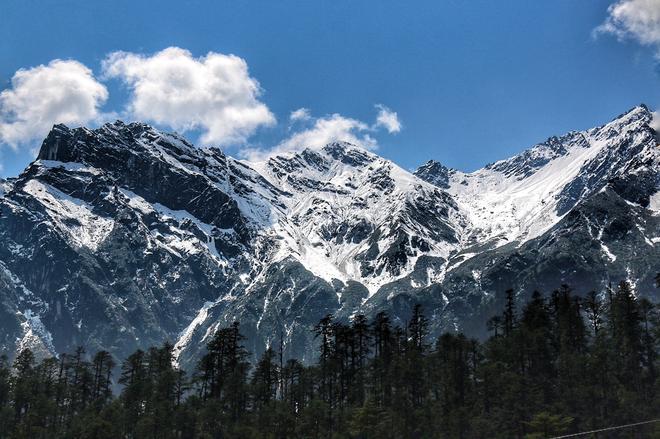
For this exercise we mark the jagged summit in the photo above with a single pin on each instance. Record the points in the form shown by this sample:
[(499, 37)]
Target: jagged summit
[(121, 133), (78, 144), (435, 173), (534, 158), (124, 236)]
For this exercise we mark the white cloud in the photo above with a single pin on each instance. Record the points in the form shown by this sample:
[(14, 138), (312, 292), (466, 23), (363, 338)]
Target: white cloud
[(214, 93), (655, 122), (300, 114), (324, 130), (634, 19), (64, 91), (387, 119), (329, 129), (332, 128)]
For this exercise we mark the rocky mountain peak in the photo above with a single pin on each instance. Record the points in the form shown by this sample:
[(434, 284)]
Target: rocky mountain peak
[(124, 236), (435, 173), (83, 145), (349, 154), (640, 113)]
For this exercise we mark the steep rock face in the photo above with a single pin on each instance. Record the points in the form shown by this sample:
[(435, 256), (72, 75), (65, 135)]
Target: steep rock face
[(101, 229), (125, 236), (435, 173), (153, 165), (351, 215), (577, 209), (523, 197)]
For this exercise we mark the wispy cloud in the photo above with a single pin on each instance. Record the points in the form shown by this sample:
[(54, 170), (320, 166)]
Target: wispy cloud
[(387, 119), (637, 20), (214, 93), (300, 114), (329, 129), (320, 131), (63, 91)]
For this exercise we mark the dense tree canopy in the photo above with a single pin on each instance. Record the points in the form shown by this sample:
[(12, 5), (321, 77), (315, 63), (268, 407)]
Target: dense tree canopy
[(559, 365)]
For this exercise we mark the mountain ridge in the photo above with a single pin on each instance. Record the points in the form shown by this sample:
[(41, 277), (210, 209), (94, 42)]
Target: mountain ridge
[(126, 236)]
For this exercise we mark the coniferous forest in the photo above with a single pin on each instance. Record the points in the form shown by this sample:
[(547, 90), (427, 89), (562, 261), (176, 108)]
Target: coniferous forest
[(560, 364)]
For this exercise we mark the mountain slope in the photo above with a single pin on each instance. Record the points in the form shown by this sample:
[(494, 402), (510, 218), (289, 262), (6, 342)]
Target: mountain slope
[(125, 236)]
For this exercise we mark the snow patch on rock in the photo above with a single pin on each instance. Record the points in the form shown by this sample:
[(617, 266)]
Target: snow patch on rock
[(187, 333), (70, 215), (654, 202)]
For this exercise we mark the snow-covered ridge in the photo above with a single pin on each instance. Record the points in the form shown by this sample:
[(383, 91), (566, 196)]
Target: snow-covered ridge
[(177, 239), (169, 241), (68, 166), (520, 198), (343, 212), (343, 202), (348, 214), (505, 207), (513, 200)]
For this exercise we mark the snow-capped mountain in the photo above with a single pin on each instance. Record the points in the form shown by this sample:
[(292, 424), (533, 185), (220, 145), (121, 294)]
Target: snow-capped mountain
[(126, 236), (350, 215), (522, 197)]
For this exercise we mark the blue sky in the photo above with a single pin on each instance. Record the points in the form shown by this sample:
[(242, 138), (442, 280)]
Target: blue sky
[(469, 82)]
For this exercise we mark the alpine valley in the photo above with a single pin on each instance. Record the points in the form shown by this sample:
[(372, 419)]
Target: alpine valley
[(123, 237)]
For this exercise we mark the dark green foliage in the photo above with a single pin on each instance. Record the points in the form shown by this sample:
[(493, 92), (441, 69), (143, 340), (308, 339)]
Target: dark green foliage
[(557, 365)]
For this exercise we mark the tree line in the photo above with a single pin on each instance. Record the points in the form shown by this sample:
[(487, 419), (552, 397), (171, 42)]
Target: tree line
[(558, 365)]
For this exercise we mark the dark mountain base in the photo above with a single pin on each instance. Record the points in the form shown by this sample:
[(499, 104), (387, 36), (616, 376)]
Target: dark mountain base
[(557, 366)]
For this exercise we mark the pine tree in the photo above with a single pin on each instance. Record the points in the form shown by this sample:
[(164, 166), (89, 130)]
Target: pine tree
[(324, 332), (136, 387), (360, 355), (418, 328), (222, 377), (626, 334), (5, 394), (416, 349), (570, 344), (383, 342), (594, 310), (509, 316), (264, 380), (537, 335), (102, 365), (22, 384)]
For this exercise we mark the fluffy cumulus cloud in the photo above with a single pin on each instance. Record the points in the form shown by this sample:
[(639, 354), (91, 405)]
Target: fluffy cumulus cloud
[(387, 119), (638, 20), (214, 93), (64, 91)]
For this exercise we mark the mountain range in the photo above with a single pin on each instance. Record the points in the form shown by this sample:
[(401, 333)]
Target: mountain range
[(125, 236)]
